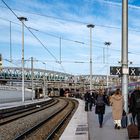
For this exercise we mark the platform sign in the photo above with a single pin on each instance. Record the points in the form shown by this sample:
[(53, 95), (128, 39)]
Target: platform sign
[(134, 71), (115, 70)]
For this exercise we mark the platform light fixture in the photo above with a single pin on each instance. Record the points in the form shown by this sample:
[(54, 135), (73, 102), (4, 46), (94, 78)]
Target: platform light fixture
[(22, 19), (90, 26)]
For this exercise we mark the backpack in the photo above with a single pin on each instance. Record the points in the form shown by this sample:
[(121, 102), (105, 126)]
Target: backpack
[(100, 101)]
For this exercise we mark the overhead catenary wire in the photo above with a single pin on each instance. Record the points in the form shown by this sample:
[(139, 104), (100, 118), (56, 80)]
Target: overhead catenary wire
[(73, 40), (70, 39), (11, 62), (130, 52), (72, 61), (117, 50), (64, 19), (76, 21), (76, 41), (100, 25), (30, 30), (33, 34)]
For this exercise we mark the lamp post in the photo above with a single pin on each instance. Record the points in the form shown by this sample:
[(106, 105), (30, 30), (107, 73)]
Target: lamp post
[(107, 44), (32, 76), (44, 79), (22, 19), (90, 26), (10, 44)]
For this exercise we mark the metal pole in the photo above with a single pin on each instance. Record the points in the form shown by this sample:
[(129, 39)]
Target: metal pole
[(22, 19), (10, 44), (60, 50), (32, 76), (90, 59), (90, 26), (10, 52), (107, 71), (44, 86), (125, 52), (23, 94), (107, 82), (44, 79)]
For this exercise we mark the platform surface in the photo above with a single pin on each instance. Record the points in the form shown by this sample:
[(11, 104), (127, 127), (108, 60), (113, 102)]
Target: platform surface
[(85, 126), (77, 128)]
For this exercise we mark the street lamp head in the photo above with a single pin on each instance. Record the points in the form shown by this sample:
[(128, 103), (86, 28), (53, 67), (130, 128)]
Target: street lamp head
[(90, 26), (22, 18), (107, 43)]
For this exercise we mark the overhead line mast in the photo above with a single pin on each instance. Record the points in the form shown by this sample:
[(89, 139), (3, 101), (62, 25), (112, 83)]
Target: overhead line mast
[(125, 70)]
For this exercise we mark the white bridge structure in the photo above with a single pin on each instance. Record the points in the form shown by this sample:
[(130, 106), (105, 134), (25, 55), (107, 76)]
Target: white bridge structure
[(55, 79)]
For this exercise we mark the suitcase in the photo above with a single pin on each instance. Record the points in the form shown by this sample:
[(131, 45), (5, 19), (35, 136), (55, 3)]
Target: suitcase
[(133, 132)]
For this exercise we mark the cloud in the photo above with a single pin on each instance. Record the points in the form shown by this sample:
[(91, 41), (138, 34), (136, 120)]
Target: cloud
[(110, 15)]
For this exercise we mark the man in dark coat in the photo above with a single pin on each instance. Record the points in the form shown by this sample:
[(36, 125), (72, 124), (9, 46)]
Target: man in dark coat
[(135, 106), (88, 101), (100, 107)]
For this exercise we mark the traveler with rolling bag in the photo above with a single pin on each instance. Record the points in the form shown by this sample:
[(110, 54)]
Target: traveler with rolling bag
[(132, 129)]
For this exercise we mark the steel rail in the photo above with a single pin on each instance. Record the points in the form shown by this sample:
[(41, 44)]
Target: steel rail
[(60, 124), (38, 125), (25, 113)]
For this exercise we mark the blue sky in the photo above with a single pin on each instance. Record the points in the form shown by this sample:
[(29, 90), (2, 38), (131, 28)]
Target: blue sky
[(67, 19)]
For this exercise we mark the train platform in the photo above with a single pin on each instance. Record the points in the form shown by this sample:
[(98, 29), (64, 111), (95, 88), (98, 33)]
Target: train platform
[(77, 129), (85, 126)]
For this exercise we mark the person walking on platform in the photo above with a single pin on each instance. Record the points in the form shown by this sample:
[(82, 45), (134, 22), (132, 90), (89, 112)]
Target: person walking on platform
[(100, 106), (86, 97), (93, 97), (134, 107), (117, 103), (88, 101)]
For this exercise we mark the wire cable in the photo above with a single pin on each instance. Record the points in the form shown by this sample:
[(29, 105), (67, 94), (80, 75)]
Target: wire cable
[(33, 35), (31, 32), (56, 36), (76, 21)]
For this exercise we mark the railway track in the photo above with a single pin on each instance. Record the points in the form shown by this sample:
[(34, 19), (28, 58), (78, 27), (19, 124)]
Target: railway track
[(39, 125), (57, 130), (9, 115)]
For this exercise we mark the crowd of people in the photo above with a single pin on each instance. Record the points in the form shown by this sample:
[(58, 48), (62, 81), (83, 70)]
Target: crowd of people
[(99, 99)]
